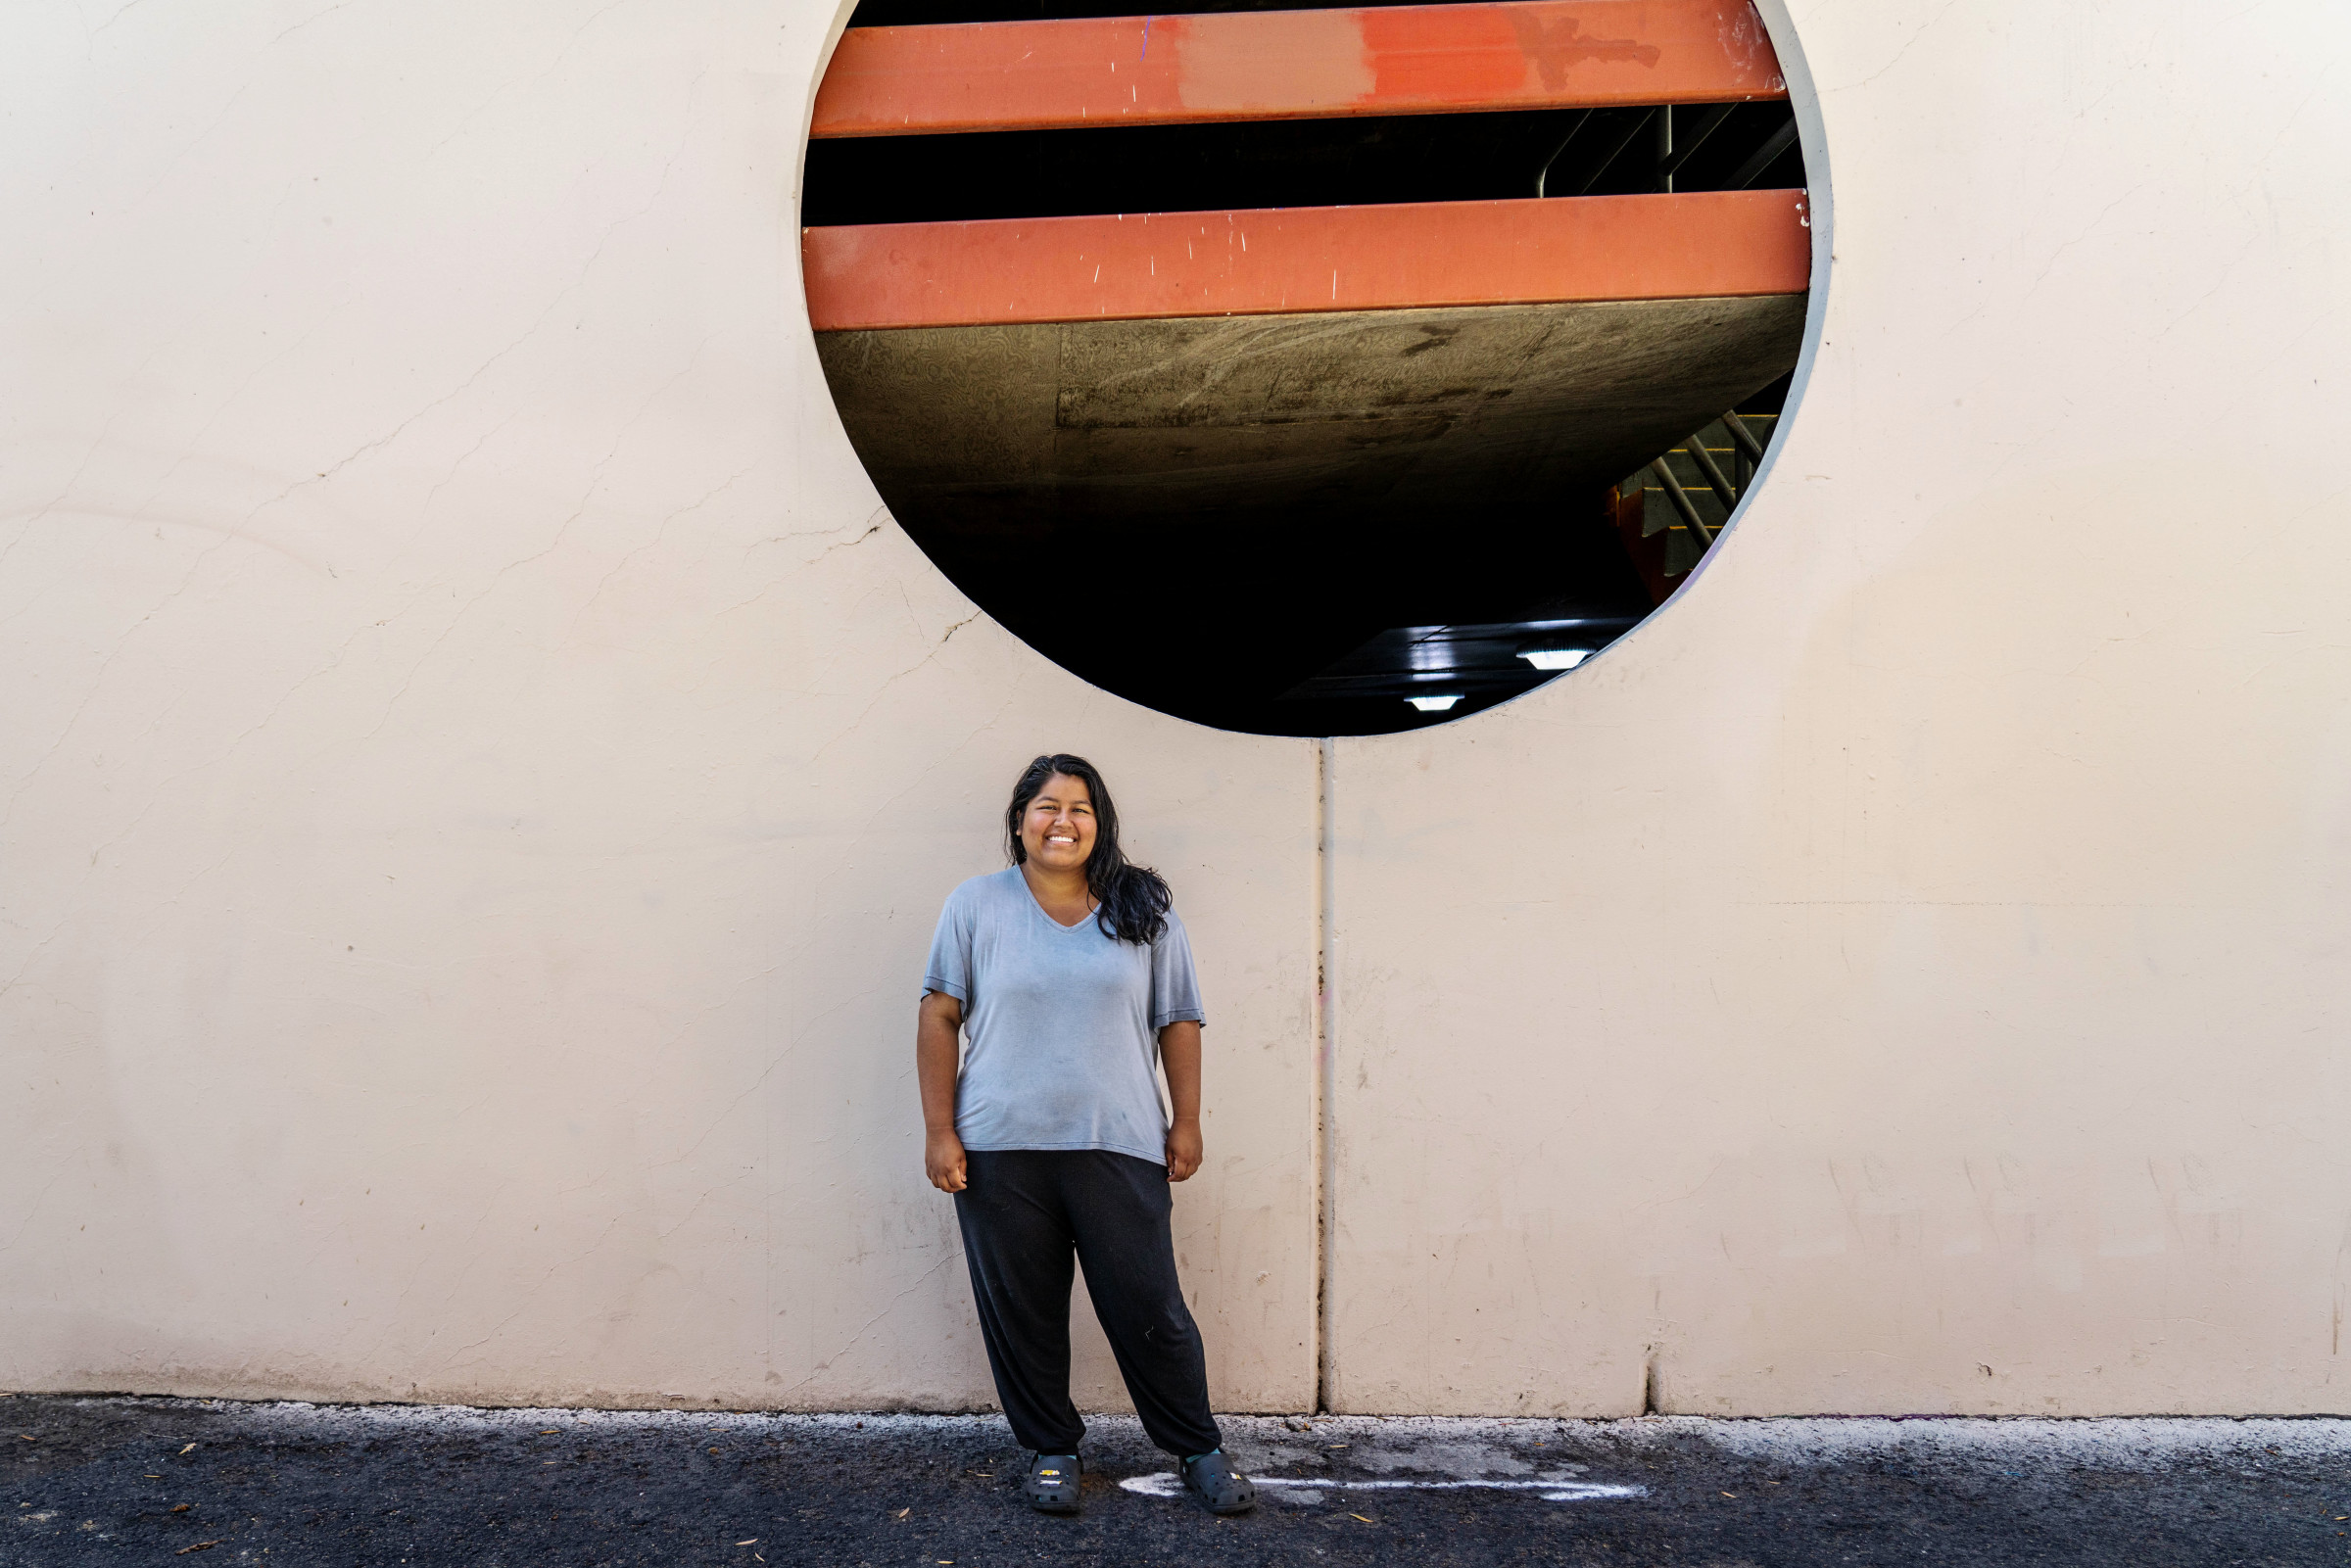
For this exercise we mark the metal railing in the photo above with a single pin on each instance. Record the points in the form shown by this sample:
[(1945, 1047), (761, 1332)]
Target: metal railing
[(1746, 453)]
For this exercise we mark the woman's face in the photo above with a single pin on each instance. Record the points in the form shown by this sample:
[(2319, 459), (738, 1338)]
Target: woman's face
[(1058, 828)]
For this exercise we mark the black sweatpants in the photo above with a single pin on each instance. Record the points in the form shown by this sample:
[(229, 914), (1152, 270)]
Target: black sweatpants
[(1024, 1213)]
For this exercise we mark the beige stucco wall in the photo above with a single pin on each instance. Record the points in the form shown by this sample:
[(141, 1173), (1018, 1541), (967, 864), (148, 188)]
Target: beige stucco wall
[(481, 770), (1907, 973)]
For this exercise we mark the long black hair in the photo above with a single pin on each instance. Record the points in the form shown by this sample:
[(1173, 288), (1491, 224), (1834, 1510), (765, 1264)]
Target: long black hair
[(1135, 899)]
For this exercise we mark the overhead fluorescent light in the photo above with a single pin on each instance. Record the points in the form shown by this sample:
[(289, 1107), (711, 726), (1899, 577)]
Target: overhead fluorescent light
[(1556, 658), (1434, 704)]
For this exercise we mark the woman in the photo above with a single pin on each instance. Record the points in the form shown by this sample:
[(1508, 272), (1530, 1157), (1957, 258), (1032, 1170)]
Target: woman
[(1072, 979)]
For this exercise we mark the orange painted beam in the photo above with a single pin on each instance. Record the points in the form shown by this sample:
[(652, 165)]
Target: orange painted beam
[(1711, 242), (1294, 65)]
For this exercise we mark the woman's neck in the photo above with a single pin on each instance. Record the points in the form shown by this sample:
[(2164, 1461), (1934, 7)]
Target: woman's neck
[(1065, 889)]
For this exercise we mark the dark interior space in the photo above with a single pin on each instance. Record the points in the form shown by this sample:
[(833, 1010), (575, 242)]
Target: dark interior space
[(1289, 569), (1291, 631), (1294, 163), (1327, 625)]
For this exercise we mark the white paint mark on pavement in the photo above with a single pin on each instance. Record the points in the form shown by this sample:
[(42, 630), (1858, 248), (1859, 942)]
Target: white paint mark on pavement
[(1166, 1484)]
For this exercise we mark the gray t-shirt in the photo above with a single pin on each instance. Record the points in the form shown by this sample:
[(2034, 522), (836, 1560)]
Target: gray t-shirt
[(1063, 1022)]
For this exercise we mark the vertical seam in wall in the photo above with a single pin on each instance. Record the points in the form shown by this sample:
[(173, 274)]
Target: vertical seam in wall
[(1320, 1093)]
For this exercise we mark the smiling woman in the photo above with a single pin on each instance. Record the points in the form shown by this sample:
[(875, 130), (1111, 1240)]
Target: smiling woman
[(1341, 329), (1071, 976)]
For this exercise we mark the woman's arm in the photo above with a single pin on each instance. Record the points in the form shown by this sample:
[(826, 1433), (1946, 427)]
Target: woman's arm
[(935, 1064), (1179, 1054)]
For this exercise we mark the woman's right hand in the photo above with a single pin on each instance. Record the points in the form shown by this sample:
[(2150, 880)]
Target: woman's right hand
[(942, 1159), (934, 1054)]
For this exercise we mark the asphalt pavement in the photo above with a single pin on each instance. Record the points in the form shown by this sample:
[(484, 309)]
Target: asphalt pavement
[(122, 1479)]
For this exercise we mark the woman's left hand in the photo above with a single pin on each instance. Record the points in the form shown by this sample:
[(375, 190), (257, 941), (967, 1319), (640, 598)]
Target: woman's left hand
[(1183, 1150)]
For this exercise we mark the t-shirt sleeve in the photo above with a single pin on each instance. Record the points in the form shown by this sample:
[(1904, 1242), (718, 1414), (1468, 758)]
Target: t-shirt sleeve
[(949, 966), (1175, 988)]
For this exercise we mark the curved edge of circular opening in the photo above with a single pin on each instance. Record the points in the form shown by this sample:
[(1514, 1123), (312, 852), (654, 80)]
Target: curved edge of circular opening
[(796, 198), (1811, 131), (1811, 136), (1803, 98)]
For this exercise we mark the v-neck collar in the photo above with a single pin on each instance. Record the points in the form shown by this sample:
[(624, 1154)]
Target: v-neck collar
[(1047, 915)]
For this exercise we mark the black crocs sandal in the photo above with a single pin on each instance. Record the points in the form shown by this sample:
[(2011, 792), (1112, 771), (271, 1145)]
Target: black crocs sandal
[(1214, 1481), (1052, 1484)]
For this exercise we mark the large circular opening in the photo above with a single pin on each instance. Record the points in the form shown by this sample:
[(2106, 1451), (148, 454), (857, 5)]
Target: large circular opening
[(1309, 371)]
